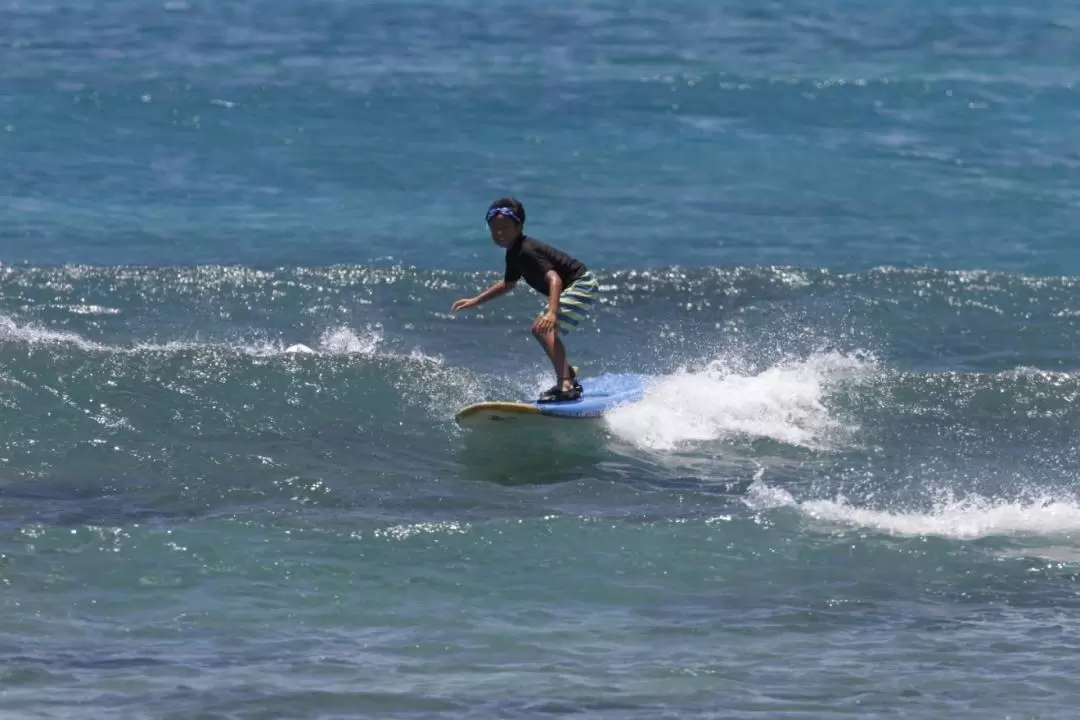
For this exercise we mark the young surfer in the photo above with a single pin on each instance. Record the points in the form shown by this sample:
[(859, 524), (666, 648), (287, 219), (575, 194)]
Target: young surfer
[(568, 285)]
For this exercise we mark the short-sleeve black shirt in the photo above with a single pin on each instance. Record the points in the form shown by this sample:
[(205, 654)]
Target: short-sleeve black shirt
[(531, 259)]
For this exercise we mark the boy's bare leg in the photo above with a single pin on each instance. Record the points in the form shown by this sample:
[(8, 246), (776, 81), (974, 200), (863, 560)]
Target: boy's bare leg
[(556, 352)]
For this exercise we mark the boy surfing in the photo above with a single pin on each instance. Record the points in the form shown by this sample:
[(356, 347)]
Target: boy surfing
[(568, 285)]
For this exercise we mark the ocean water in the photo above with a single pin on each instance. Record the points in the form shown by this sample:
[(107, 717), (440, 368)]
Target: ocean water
[(840, 237)]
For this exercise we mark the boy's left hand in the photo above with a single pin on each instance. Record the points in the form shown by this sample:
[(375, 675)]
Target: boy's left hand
[(545, 323)]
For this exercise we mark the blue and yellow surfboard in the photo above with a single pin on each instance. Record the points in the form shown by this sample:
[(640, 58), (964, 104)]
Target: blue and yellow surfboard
[(599, 395)]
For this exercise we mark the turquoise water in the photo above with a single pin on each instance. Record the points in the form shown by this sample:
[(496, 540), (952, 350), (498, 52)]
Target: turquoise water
[(839, 238)]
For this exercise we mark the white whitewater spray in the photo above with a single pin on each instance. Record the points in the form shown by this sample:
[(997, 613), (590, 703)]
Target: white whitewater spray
[(785, 403), (959, 518), (333, 341)]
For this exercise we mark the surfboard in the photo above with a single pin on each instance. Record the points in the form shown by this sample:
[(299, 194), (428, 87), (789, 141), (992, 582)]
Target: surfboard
[(599, 395)]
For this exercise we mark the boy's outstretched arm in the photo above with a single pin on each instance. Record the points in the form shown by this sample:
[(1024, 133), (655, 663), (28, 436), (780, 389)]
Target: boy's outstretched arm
[(491, 293)]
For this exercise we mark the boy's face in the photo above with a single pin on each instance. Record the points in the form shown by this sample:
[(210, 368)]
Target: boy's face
[(504, 230)]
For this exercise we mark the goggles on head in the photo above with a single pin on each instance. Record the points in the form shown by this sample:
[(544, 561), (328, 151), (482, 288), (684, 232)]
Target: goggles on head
[(505, 212)]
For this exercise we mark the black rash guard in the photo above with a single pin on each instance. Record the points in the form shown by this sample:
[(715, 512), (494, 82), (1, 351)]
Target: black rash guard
[(531, 259)]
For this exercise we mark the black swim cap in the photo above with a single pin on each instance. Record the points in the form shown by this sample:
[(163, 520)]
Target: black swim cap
[(515, 209)]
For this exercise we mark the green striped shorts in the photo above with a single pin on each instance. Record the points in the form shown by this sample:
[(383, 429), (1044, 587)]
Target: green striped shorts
[(576, 301)]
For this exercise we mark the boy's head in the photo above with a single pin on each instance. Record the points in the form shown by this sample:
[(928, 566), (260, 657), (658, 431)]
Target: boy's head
[(505, 219)]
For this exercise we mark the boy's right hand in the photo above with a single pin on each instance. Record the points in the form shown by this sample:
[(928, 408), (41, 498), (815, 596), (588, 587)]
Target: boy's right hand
[(463, 304)]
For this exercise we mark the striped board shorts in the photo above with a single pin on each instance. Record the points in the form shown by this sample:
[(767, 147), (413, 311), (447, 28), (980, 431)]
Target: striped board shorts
[(576, 301)]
